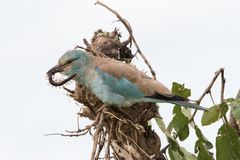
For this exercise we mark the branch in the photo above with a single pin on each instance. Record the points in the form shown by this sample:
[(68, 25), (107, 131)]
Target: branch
[(67, 135), (79, 132), (131, 37), (222, 93), (208, 91)]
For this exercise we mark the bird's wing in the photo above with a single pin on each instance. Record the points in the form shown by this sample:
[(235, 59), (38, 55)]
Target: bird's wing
[(129, 78), (128, 81)]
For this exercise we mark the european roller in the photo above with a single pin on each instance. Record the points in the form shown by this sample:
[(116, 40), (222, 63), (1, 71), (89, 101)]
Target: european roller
[(114, 82)]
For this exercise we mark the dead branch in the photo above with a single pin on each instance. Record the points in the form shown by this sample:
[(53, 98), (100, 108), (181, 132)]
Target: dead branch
[(67, 135), (131, 37)]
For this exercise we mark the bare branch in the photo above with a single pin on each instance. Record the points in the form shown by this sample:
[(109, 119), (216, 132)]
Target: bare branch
[(129, 29), (207, 91), (222, 92), (67, 135)]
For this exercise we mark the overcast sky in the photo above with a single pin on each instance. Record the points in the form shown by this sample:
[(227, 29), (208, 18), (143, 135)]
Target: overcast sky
[(185, 41)]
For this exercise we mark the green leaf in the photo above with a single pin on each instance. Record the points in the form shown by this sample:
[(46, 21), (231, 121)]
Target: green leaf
[(202, 146), (188, 114), (176, 109), (187, 155), (170, 127), (180, 90), (214, 113), (203, 153), (227, 143), (229, 100), (162, 126), (174, 155), (203, 139), (180, 124), (177, 152)]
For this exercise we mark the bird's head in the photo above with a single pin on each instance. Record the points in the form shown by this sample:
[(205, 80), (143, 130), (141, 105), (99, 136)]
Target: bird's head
[(66, 64)]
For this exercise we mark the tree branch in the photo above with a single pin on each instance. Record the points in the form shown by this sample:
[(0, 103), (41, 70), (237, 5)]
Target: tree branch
[(131, 37), (207, 91)]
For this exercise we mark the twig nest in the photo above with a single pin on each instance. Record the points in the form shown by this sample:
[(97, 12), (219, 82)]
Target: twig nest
[(109, 44)]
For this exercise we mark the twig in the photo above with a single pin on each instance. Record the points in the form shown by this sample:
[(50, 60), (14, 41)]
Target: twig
[(79, 132), (89, 49), (124, 21), (67, 135), (102, 141), (96, 135), (105, 158), (207, 91), (136, 126), (107, 151), (129, 29), (211, 96), (223, 85), (77, 46), (222, 93), (127, 137)]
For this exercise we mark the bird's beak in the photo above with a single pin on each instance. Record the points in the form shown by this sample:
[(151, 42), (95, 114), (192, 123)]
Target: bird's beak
[(53, 71)]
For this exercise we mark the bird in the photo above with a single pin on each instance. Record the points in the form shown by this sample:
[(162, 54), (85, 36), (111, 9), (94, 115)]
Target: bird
[(114, 82)]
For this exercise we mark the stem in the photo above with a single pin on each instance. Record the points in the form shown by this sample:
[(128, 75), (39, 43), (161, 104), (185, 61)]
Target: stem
[(207, 91), (222, 93)]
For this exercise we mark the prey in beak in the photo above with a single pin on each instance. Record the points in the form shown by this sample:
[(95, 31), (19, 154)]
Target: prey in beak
[(58, 69)]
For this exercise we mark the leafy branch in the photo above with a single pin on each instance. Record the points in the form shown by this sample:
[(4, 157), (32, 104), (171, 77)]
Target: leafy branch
[(213, 114)]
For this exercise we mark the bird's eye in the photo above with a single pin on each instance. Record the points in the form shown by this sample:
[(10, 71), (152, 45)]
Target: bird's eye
[(69, 61)]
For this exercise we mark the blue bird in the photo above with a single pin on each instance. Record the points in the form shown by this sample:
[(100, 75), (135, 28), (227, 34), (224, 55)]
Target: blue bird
[(114, 82)]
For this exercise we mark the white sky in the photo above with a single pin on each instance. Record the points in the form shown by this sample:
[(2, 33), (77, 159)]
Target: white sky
[(185, 40)]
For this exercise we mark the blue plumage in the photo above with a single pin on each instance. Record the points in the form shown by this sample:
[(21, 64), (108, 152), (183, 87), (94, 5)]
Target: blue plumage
[(121, 86), (114, 82)]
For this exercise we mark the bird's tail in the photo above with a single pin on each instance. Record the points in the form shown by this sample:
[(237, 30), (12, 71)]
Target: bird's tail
[(189, 105), (181, 103)]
